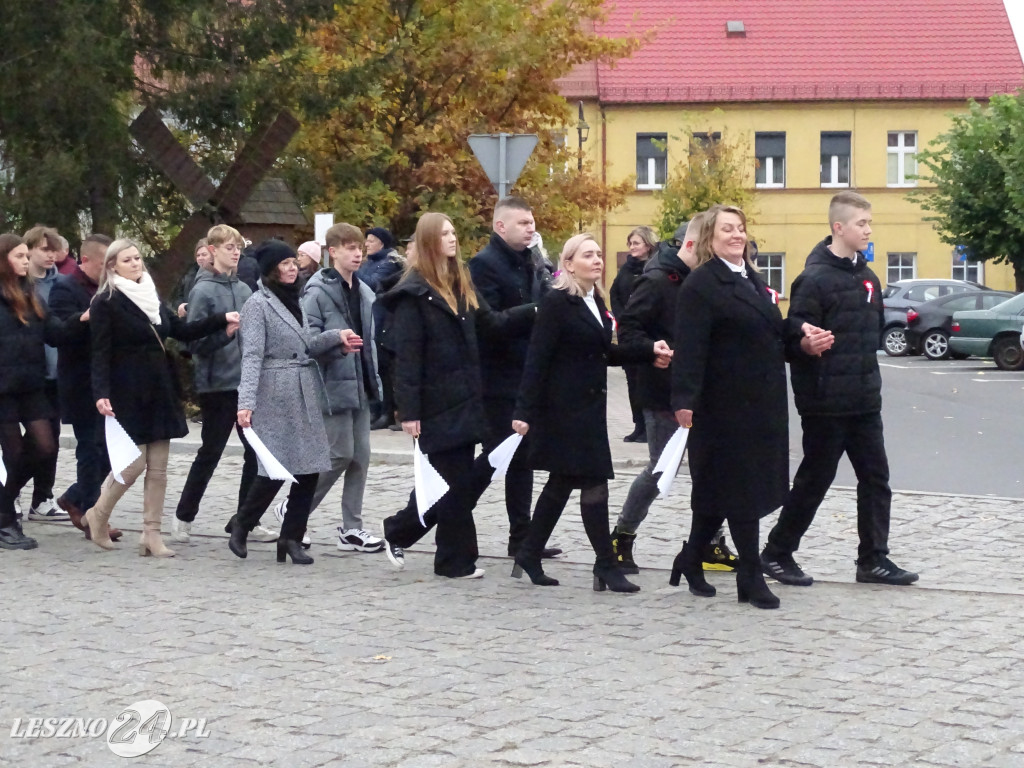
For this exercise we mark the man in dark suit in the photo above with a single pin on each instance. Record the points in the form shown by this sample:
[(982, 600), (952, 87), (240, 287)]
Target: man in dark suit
[(73, 293), (507, 274)]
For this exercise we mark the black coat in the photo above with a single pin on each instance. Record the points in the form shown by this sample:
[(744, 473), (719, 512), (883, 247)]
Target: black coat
[(505, 279), (832, 293), (729, 368), (623, 284), (132, 370), (22, 356), (650, 315), (69, 298), (437, 367), (564, 394)]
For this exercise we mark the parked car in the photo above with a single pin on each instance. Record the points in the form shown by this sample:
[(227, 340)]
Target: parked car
[(929, 324), (994, 333), (901, 295)]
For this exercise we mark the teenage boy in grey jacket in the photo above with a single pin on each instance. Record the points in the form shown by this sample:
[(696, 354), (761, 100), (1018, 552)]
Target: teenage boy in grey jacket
[(217, 361), (335, 299)]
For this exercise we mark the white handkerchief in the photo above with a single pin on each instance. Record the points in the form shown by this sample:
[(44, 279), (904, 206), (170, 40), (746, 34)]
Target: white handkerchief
[(275, 470), (430, 486), (670, 459), (501, 456), (121, 449)]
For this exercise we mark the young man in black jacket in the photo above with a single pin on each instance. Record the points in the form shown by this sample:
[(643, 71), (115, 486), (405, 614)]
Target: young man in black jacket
[(839, 397)]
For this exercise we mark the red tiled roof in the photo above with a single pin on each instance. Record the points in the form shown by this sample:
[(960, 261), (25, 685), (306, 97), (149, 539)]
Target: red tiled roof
[(806, 50)]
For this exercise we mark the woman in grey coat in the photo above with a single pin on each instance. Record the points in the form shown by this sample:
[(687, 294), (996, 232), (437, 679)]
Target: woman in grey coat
[(279, 397)]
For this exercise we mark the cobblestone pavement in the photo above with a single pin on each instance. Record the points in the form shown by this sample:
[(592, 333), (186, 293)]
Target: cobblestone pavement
[(352, 663)]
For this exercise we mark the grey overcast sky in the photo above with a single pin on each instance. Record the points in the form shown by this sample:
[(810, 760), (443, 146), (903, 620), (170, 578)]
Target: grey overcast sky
[(1015, 10)]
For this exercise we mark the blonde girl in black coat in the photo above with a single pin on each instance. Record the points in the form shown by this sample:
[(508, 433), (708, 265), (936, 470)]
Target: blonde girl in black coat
[(563, 401)]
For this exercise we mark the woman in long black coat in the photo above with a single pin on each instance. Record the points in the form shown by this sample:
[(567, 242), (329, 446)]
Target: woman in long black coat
[(563, 400), (134, 381), (729, 386)]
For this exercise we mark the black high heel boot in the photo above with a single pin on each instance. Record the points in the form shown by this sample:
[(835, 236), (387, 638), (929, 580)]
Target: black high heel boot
[(534, 570), (231, 524), (751, 588), (688, 563), (293, 549), (237, 542), (610, 577)]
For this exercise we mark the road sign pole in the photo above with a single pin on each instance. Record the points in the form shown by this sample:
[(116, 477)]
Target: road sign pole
[(502, 161)]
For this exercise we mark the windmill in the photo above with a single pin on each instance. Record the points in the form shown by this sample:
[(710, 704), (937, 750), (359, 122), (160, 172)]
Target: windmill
[(213, 204)]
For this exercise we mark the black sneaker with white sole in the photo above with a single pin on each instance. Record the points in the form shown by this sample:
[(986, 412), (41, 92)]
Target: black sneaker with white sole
[(783, 568), (395, 554), (882, 570)]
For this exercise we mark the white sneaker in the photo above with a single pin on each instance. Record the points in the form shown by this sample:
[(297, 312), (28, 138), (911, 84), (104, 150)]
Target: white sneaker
[(180, 531), (279, 511), (358, 540), (477, 574), (47, 512), (17, 507), (306, 541), (263, 534)]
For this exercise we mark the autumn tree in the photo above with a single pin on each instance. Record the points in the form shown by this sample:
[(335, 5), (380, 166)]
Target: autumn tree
[(977, 167), (715, 171), (411, 79)]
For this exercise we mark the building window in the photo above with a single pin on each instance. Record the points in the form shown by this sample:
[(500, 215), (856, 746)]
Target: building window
[(901, 159), (963, 269), (770, 151), (773, 269), (835, 158), (704, 140), (651, 160), (901, 266)]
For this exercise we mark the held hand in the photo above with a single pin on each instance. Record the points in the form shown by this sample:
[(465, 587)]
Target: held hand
[(350, 341), (103, 406), (182, 309), (684, 418), (233, 318), (520, 427), (816, 340), (411, 428), (245, 419), (85, 316), (663, 354), (231, 329)]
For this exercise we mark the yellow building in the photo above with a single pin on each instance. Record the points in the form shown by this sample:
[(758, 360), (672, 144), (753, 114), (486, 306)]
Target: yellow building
[(810, 119)]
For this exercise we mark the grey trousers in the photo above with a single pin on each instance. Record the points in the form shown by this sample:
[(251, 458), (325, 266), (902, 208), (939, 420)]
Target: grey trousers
[(661, 425), (348, 433)]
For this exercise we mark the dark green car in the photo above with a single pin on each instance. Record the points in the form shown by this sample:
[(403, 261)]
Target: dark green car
[(994, 333)]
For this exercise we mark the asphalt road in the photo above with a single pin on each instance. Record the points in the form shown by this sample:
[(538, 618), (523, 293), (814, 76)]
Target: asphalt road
[(953, 426)]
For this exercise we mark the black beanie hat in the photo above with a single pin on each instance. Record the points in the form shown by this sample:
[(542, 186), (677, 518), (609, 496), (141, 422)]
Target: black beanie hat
[(270, 253), (383, 235)]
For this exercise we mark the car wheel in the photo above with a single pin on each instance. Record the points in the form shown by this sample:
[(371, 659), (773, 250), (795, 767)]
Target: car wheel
[(935, 345), (895, 341), (1008, 354)]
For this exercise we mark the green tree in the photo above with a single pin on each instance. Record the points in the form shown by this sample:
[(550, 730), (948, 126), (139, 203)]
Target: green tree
[(714, 172), (977, 167)]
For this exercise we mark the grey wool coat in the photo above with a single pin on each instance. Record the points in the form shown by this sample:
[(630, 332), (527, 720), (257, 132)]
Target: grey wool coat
[(281, 384)]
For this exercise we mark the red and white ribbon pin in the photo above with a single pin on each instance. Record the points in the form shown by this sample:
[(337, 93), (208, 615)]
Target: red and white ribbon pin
[(870, 288)]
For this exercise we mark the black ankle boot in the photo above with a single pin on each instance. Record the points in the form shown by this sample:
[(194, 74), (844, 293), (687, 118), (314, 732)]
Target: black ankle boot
[(292, 549), (622, 545), (231, 524), (751, 587), (237, 542), (534, 570), (688, 563), (610, 577)]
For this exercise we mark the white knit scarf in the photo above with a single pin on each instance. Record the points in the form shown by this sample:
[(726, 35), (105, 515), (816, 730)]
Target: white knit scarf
[(142, 294)]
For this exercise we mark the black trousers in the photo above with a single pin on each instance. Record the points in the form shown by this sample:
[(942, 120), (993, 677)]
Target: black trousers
[(91, 461), (452, 515), (219, 412), (633, 390), (593, 509), (519, 478), (296, 514), (825, 440)]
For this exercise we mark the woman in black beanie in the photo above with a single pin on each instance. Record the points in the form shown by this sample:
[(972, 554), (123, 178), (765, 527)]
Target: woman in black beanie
[(279, 397)]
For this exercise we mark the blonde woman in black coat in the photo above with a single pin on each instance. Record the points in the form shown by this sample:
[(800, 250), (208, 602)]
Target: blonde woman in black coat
[(563, 402)]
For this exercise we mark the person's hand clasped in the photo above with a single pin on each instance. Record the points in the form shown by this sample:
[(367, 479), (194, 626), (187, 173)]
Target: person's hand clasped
[(684, 418), (350, 341), (520, 427), (662, 354), (103, 406), (84, 317), (411, 428), (182, 309), (816, 340), (245, 419)]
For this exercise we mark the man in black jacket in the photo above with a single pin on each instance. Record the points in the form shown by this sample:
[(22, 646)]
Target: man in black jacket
[(839, 397), (507, 274), (650, 315)]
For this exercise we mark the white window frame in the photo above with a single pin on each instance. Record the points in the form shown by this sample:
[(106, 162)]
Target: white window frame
[(965, 267), (834, 166), (768, 163), (901, 268), (901, 151), (768, 269), (652, 167)]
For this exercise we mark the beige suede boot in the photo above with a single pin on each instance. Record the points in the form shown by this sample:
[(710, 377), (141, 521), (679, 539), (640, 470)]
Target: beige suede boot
[(151, 542), (96, 519)]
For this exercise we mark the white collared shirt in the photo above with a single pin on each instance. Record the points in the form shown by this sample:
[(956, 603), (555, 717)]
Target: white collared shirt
[(740, 269), (589, 300)]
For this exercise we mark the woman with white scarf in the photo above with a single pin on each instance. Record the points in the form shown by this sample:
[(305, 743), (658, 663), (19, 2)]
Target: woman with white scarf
[(134, 381)]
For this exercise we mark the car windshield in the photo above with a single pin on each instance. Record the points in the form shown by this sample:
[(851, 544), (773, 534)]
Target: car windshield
[(1011, 306)]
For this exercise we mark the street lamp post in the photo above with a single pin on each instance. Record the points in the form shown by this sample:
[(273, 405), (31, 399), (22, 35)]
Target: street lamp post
[(582, 132)]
